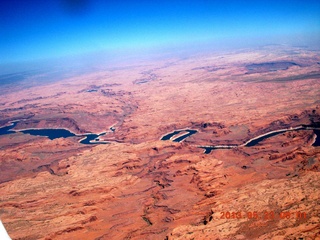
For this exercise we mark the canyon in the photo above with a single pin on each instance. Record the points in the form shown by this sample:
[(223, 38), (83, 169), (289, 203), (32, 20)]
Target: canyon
[(151, 180)]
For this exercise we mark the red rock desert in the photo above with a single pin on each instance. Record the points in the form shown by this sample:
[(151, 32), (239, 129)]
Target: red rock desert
[(216, 145)]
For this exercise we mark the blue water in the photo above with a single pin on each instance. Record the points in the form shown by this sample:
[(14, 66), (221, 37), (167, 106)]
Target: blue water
[(170, 135), (207, 150), (181, 138), (90, 138), (317, 142), (6, 130), (256, 141), (52, 133)]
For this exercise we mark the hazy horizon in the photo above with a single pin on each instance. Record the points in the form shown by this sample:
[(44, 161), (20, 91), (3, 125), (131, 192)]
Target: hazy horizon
[(38, 30)]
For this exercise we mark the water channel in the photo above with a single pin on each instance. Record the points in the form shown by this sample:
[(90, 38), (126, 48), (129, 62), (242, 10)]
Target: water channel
[(179, 138), (256, 140), (53, 133), (250, 143)]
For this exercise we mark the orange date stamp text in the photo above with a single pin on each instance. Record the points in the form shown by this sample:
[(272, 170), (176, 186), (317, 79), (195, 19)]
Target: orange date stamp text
[(264, 215)]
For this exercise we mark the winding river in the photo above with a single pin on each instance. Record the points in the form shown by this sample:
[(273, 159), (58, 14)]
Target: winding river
[(53, 133), (93, 138), (169, 136), (250, 143), (254, 141)]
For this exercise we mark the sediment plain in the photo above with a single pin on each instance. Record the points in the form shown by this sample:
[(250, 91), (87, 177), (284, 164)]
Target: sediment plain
[(140, 187)]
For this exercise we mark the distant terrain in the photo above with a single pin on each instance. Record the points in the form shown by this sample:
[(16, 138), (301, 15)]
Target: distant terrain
[(269, 66), (130, 151)]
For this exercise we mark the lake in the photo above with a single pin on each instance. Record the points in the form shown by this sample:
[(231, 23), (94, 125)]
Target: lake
[(54, 133)]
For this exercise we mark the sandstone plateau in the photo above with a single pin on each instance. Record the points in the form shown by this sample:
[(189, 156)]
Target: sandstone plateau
[(140, 187)]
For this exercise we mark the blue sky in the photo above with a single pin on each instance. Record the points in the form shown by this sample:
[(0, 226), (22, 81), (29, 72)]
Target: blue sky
[(32, 30)]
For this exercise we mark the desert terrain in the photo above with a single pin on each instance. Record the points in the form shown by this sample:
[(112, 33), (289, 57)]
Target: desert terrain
[(137, 186)]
